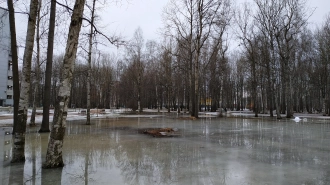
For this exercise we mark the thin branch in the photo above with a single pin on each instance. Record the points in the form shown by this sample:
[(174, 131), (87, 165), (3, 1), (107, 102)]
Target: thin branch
[(16, 12), (115, 41)]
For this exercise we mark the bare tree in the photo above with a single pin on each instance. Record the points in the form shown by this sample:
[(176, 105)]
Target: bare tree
[(152, 74), (19, 144), (323, 64), (48, 73), (16, 127), (55, 145), (281, 22), (248, 36), (135, 51), (193, 22), (291, 23), (37, 71), (92, 9), (167, 75), (178, 20)]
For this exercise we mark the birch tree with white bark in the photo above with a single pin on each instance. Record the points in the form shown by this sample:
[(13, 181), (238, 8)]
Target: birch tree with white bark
[(54, 151), (90, 46), (19, 136), (36, 82)]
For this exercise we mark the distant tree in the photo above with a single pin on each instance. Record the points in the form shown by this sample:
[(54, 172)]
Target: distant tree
[(152, 75), (248, 35), (323, 64), (166, 63), (102, 76), (193, 23), (135, 52), (79, 83), (281, 22), (302, 71), (90, 46), (127, 91)]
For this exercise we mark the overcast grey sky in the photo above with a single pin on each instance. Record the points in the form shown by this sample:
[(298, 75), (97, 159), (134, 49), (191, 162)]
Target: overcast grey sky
[(125, 17), (147, 14)]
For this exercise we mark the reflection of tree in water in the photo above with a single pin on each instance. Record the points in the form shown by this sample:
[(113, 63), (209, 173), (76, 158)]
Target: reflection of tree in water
[(323, 180), (31, 172), (285, 143), (16, 175), (141, 159), (33, 155), (191, 159), (166, 161), (300, 145), (81, 154), (143, 162), (326, 177), (31, 168)]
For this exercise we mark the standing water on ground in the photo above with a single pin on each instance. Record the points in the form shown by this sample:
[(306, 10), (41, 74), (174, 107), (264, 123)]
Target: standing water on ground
[(228, 151)]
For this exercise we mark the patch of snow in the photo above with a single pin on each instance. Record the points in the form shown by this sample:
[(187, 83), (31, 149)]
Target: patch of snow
[(296, 119)]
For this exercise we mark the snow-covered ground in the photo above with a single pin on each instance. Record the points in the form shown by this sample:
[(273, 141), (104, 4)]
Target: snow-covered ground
[(300, 115), (6, 117)]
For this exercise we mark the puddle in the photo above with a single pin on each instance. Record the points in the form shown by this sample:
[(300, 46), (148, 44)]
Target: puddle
[(229, 151)]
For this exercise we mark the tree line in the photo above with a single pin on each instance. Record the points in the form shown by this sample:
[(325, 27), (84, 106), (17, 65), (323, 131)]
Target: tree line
[(213, 55)]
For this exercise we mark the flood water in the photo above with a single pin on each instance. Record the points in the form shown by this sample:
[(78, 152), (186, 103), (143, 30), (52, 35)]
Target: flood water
[(228, 151)]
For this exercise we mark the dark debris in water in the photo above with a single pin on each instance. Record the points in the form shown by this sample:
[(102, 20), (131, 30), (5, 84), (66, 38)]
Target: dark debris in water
[(160, 132)]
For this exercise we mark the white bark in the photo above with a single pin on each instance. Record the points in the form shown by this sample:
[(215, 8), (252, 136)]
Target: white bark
[(37, 68), (54, 151), (88, 118), (19, 136)]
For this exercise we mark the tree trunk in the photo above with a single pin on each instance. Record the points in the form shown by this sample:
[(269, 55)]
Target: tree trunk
[(324, 105), (168, 99), (157, 100), (19, 140), (13, 48), (196, 88), (270, 93), (54, 151), (277, 102), (48, 72), (255, 87), (289, 112), (139, 86), (34, 108), (88, 118), (191, 90), (37, 71)]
